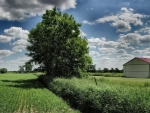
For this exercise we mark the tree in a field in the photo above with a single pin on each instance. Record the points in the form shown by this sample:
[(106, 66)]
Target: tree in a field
[(21, 69), (3, 70), (117, 70), (106, 70), (28, 67), (112, 70), (56, 45)]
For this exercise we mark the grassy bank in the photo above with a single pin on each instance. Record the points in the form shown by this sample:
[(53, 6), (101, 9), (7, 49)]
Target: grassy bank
[(109, 95), (22, 93)]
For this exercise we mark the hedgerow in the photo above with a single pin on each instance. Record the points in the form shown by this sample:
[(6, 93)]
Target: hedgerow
[(107, 97)]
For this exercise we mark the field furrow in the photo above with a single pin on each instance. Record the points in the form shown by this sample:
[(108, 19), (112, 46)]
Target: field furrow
[(22, 93)]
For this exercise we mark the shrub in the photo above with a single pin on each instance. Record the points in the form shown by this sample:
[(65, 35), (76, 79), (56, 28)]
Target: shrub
[(108, 98), (3, 70)]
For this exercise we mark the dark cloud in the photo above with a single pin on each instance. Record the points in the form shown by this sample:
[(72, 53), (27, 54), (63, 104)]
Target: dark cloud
[(121, 26), (21, 9)]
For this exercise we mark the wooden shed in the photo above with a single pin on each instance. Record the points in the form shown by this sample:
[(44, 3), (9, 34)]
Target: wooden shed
[(137, 67)]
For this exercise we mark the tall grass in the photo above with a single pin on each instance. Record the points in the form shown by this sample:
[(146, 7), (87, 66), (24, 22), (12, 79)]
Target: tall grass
[(22, 93), (106, 96)]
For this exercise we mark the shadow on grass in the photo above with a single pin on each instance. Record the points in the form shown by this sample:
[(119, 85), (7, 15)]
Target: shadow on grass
[(25, 84)]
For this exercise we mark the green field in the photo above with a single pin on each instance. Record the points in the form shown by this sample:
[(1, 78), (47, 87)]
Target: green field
[(111, 94), (22, 93)]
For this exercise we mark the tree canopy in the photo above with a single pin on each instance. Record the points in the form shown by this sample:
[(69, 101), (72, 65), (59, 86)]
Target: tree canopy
[(57, 46)]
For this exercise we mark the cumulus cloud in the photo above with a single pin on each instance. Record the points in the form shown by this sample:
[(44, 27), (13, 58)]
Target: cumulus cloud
[(103, 43), (121, 26), (125, 56), (16, 32), (94, 41), (92, 47), (5, 38), (87, 22), (19, 45), (145, 30), (19, 10), (146, 51), (132, 38), (122, 20), (94, 54), (5, 53), (121, 51), (107, 51), (135, 38)]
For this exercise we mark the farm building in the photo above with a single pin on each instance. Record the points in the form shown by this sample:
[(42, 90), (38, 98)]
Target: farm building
[(137, 67)]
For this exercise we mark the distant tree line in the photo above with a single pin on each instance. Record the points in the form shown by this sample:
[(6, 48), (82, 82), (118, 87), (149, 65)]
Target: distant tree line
[(3, 70), (106, 70)]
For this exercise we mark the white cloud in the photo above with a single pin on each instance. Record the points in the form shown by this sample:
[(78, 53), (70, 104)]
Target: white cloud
[(124, 45), (145, 52), (108, 44), (19, 45), (125, 56), (107, 51), (94, 54), (87, 22), (95, 41), (121, 51), (82, 34), (134, 38), (122, 20), (5, 53), (145, 30), (103, 43), (92, 47), (12, 65), (5, 38), (16, 32), (18, 61), (19, 10), (121, 26)]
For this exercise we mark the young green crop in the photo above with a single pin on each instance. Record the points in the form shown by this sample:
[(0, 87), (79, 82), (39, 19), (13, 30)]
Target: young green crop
[(22, 93)]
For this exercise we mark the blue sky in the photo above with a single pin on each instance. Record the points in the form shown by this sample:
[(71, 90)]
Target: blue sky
[(117, 30)]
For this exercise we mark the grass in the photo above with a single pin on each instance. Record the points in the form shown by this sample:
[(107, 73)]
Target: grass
[(111, 94), (107, 74), (22, 93)]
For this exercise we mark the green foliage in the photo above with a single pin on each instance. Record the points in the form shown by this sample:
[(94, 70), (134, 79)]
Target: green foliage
[(56, 45), (3, 70), (105, 70), (107, 97), (107, 74), (28, 67), (25, 94), (21, 69)]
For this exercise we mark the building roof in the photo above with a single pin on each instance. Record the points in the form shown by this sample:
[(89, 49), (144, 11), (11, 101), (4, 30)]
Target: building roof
[(144, 59), (140, 58)]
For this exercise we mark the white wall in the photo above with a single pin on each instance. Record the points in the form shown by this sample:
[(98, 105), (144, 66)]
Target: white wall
[(137, 74), (136, 68)]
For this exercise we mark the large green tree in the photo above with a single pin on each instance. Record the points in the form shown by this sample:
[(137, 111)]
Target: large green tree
[(57, 46)]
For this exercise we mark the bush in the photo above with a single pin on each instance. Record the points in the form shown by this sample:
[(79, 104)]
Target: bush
[(92, 99), (3, 70)]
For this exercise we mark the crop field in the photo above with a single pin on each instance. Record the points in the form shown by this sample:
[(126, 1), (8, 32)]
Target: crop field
[(22, 93)]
